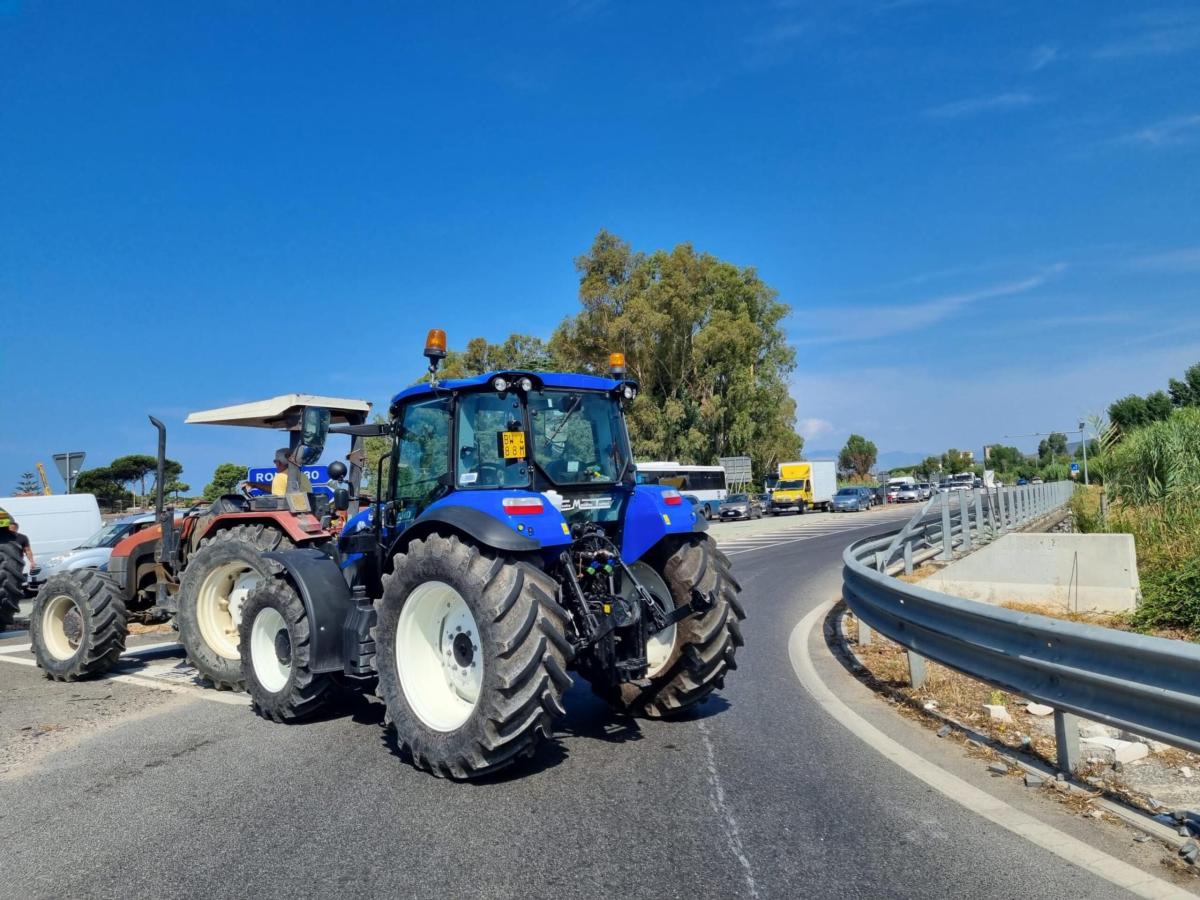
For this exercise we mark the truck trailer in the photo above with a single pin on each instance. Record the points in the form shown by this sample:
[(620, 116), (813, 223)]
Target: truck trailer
[(803, 486)]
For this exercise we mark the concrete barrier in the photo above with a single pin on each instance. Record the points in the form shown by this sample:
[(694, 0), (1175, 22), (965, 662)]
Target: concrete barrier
[(1080, 572)]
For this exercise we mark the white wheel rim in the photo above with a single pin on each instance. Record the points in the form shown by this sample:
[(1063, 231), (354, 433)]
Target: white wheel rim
[(54, 627), (438, 656), (660, 646), (271, 672), (219, 606)]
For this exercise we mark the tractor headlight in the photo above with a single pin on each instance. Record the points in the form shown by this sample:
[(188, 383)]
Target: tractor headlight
[(526, 385), (499, 384), (629, 392)]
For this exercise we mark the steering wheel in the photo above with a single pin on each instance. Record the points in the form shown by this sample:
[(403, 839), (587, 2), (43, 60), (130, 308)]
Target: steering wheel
[(490, 473)]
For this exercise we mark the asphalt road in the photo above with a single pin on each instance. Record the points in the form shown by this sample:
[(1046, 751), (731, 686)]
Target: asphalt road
[(114, 789)]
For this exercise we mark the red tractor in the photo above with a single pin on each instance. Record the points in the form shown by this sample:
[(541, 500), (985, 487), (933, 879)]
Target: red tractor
[(198, 567)]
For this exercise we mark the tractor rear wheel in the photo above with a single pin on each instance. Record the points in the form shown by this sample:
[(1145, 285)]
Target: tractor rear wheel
[(472, 656), (702, 648), (276, 643), (78, 625), (216, 582), (12, 578)]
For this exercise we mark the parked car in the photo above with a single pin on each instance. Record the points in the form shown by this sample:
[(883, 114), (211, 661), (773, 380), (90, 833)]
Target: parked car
[(741, 506), (908, 493), (878, 495), (1037, 481), (94, 552), (893, 491), (926, 489), (852, 499)]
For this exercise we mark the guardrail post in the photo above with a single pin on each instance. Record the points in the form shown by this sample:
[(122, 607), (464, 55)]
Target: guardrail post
[(1066, 739), (978, 515), (947, 553), (916, 669), (908, 564), (964, 513)]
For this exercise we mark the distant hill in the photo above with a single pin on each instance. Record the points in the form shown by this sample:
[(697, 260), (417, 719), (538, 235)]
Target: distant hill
[(888, 459)]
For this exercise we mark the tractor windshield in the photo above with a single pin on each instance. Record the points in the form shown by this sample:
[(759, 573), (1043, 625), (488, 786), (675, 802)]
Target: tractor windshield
[(578, 436)]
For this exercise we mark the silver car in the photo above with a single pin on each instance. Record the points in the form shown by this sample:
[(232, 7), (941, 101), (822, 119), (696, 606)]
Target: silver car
[(95, 551), (908, 493)]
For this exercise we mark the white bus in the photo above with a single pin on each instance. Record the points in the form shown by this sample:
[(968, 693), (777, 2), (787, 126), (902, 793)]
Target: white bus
[(705, 483)]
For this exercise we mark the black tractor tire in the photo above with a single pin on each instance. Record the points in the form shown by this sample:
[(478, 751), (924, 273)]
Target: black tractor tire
[(303, 692), (231, 549), (12, 578), (78, 625), (705, 646), (522, 645)]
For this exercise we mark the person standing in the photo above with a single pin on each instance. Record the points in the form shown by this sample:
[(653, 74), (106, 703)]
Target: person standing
[(22, 542)]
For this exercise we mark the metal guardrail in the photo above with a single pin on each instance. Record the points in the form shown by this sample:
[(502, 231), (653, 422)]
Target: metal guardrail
[(1146, 685)]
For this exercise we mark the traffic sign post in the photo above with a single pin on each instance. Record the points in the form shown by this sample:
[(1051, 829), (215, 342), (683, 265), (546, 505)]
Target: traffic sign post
[(737, 469), (69, 465)]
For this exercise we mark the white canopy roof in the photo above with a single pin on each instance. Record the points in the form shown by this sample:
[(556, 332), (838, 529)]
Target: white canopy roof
[(282, 412)]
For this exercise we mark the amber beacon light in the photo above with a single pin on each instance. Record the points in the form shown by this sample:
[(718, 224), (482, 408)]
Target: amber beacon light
[(435, 344), (616, 363)]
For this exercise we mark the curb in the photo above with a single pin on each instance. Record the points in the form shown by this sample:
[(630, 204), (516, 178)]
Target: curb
[(1131, 816)]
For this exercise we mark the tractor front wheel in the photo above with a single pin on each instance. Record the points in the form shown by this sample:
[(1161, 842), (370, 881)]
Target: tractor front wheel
[(212, 593), (472, 656), (276, 643), (78, 625), (701, 648)]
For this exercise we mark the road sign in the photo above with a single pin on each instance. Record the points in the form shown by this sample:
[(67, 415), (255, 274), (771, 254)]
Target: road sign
[(737, 468), (69, 465), (1074, 469), (318, 476)]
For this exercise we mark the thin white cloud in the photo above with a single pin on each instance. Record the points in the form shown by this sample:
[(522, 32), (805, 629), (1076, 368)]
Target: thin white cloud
[(922, 314), (1167, 133), (973, 106), (1184, 260), (1042, 56), (1154, 33), (812, 429)]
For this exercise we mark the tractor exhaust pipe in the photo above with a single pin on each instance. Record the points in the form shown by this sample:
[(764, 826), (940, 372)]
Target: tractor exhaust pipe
[(162, 464)]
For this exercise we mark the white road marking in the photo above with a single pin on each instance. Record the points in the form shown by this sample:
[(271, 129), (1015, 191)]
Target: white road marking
[(729, 823), (1048, 837), (173, 676)]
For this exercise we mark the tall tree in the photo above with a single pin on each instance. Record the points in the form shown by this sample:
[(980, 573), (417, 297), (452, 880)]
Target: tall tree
[(28, 484), (1159, 406), (108, 490), (953, 461), (703, 338), (1186, 392), (858, 456), (225, 480), (1128, 412)]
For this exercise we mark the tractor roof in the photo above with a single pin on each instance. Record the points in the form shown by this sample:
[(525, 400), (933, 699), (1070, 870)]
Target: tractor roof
[(282, 412), (567, 380)]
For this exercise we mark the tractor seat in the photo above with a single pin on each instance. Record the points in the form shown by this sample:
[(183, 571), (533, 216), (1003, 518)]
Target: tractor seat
[(229, 503)]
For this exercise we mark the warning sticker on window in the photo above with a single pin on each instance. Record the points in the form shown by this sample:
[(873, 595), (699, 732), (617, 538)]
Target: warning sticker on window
[(512, 444)]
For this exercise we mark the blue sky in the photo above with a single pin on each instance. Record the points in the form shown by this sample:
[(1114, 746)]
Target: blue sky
[(984, 215)]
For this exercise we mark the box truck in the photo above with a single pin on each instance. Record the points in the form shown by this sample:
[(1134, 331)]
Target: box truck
[(803, 486)]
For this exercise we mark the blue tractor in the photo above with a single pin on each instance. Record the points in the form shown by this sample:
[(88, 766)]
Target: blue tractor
[(508, 547)]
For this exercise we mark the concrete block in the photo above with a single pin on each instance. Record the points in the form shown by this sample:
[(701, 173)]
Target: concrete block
[(1095, 729), (997, 712), (1039, 709), (1096, 572), (1113, 750)]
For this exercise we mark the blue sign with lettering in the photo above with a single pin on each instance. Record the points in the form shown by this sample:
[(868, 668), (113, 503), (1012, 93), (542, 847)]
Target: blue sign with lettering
[(1074, 468), (318, 476)]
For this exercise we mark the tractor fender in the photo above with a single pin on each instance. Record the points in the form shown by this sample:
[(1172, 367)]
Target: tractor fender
[(649, 518), (327, 600), (481, 527)]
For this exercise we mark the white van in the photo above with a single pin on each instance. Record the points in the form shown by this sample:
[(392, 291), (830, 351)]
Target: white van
[(54, 524)]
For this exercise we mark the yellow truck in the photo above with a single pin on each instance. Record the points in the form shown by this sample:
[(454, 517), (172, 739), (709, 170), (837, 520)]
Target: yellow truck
[(803, 486)]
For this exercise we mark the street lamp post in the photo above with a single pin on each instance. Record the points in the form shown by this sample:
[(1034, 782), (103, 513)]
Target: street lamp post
[(1083, 441)]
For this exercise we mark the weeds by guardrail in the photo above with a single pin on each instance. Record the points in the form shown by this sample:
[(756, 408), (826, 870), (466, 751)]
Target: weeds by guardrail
[(1145, 685)]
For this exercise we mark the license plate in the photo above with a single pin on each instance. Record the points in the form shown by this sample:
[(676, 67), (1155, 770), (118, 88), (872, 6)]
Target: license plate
[(512, 444)]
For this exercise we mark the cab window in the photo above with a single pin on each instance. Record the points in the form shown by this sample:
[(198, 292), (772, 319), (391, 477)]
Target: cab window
[(421, 457)]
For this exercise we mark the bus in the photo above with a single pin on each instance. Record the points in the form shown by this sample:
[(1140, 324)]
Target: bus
[(705, 483)]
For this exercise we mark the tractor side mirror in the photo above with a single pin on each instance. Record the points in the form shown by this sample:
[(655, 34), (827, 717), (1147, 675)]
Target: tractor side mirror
[(314, 428), (341, 499)]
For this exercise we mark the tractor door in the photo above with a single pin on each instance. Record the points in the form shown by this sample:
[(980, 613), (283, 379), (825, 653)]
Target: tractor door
[(421, 460)]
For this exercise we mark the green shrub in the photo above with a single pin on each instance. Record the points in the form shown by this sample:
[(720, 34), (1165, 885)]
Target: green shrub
[(1159, 463)]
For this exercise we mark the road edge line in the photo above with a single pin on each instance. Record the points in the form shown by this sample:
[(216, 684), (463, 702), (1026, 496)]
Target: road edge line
[(978, 801)]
